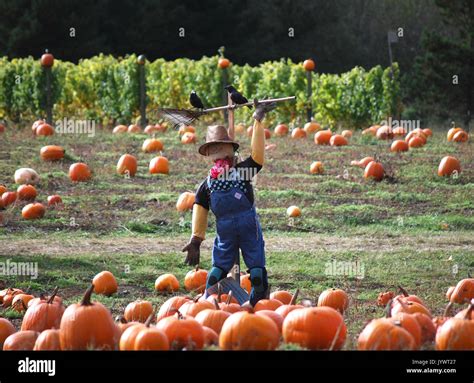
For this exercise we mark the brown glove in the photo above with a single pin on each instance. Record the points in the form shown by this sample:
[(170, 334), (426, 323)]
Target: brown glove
[(193, 249)]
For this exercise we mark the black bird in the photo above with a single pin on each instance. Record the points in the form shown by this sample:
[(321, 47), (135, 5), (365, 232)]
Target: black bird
[(195, 100), (236, 96)]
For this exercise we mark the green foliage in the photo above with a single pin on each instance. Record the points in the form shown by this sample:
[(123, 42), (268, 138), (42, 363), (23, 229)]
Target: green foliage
[(106, 89)]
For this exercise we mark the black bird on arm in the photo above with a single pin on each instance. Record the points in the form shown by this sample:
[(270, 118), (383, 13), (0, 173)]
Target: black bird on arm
[(236, 96), (195, 100)]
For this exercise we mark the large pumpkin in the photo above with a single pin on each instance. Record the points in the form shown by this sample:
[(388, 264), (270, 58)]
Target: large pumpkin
[(323, 137), (374, 171), (33, 211), (384, 334), (338, 140), (6, 329), (457, 333), (461, 136), (182, 333), (195, 280), (463, 292), (52, 153), (410, 323), (316, 328), (448, 166), (213, 318), (151, 339), (185, 201), (167, 282), (188, 138), (159, 165), (282, 295), (281, 130), (452, 132), (311, 127), (88, 325), (274, 316), (26, 192), (399, 146), (298, 133), (48, 340), (401, 305), (170, 307), (44, 130), (21, 341), (246, 331), (8, 198), (44, 315), (105, 283), (138, 311), (267, 304), (151, 145), (127, 164), (79, 172), (194, 307), (316, 167), (335, 298)]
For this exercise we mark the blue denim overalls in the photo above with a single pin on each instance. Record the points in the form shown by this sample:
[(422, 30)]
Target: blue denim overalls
[(237, 227)]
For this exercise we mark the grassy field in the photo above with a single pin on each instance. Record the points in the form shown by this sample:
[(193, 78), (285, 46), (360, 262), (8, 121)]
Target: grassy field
[(413, 229)]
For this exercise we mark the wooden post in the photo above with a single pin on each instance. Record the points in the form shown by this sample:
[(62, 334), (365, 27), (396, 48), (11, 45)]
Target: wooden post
[(309, 81), (230, 118), (49, 106)]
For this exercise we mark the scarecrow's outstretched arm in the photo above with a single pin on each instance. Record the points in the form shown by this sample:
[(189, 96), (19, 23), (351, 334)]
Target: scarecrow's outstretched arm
[(199, 221), (258, 142)]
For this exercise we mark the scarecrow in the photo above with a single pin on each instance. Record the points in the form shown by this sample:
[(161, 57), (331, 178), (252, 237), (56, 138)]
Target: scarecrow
[(227, 191)]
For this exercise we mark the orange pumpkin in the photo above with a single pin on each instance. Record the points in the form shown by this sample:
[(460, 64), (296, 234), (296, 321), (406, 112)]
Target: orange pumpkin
[(452, 132), (246, 283), (415, 142), (6, 329), (195, 280), (129, 336), (48, 340), (285, 309), (298, 133), (88, 325), (138, 311), (170, 307), (449, 165), (416, 133), (21, 341), (194, 307), (409, 323), (159, 165), (338, 140), (52, 153), (127, 164), (151, 339), (408, 297), (384, 133), (282, 296), (323, 137), (293, 211), (311, 127), (427, 132), (182, 333), (151, 145), (401, 305), (399, 146), (44, 130), (335, 298), (36, 124), (167, 282), (281, 130), (316, 168), (186, 129), (105, 283), (20, 302), (119, 129), (274, 316), (384, 334), (188, 138), (461, 136), (43, 315), (374, 170), (33, 211), (185, 201), (428, 329), (363, 162), (384, 297), (267, 304), (309, 65), (457, 333), (463, 292), (133, 128), (213, 318), (210, 337), (54, 200), (246, 331), (346, 134), (223, 63), (9, 198), (316, 328), (79, 172), (26, 192)]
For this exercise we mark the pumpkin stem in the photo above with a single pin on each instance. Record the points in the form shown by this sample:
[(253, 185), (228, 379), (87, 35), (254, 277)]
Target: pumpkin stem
[(23, 304), (294, 297), (150, 318), (216, 304), (86, 300), (219, 292), (180, 316), (447, 310), (403, 291), (197, 267), (229, 298), (53, 295), (469, 311), (197, 297), (402, 303)]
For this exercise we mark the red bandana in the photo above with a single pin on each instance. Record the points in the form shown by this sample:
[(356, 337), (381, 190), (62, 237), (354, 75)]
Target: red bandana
[(220, 166)]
